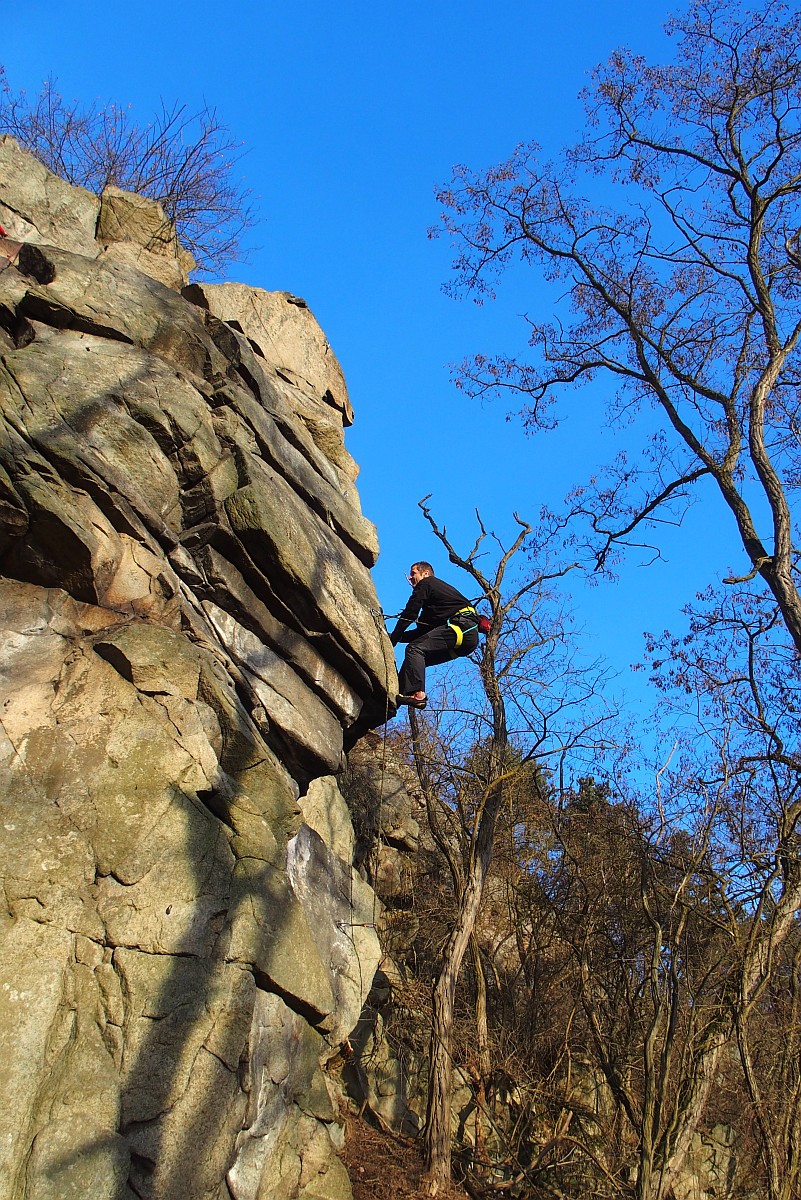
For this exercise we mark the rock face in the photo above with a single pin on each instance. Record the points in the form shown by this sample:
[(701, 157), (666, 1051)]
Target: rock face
[(387, 1073), (187, 647)]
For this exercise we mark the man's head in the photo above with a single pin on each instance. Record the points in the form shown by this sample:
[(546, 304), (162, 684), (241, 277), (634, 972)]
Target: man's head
[(419, 570)]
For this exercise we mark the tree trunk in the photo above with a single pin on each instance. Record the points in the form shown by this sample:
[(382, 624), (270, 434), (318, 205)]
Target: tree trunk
[(482, 1047), (482, 1024), (438, 1115)]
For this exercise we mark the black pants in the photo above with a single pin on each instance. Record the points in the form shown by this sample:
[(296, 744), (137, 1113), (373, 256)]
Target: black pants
[(429, 650)]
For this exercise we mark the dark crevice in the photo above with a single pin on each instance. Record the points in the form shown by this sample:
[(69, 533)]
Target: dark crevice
[(115, 657), (306, 1011), (218, 804), (50, 312), (32, 261), (21, 331), (396, 843), (193, 292)]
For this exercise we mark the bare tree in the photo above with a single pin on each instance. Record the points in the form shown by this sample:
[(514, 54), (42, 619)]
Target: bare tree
[(518, 690), (675, 925), (686, 300), (642, 979), (185, 160), (740, 672)]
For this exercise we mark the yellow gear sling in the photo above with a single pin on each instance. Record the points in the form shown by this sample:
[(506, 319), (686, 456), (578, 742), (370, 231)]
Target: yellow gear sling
[(457, 629)]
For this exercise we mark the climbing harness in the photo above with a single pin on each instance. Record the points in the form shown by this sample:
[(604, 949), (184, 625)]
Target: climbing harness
[(460, 630)]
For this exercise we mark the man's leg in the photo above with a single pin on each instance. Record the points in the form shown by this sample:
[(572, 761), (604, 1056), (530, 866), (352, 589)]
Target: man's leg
[(429, 650)]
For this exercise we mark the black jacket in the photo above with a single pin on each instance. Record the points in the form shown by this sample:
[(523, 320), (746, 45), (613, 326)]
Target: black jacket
[(431, 604)]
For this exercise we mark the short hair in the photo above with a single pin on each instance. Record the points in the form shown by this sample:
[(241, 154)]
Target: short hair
[(424, 566)]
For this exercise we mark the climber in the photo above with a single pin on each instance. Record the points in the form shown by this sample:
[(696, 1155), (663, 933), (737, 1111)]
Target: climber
[(446, 627)]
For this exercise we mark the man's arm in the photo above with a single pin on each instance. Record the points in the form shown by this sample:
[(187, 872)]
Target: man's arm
[(410, 613)]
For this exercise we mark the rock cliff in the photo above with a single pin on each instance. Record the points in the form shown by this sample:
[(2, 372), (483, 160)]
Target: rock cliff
[(188, 645)]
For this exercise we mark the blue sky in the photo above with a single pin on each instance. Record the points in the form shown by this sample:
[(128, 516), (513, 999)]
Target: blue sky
[(351, 114)]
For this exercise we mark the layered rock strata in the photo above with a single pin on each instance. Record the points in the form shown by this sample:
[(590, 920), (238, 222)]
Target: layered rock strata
[(190, 639)]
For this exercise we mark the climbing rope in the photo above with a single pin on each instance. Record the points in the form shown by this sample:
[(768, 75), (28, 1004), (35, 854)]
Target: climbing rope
[(378, 616), (347, 927)]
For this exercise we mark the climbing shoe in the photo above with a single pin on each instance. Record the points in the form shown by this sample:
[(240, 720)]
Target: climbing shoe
[(416, 700)]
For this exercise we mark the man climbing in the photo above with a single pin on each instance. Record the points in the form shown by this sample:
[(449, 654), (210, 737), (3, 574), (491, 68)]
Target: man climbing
[(446, 627)]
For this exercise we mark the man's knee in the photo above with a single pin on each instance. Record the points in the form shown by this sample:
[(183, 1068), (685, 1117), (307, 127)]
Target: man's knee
[(414, 650)]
